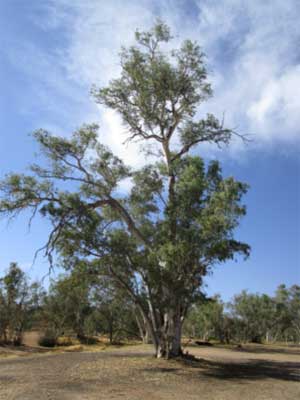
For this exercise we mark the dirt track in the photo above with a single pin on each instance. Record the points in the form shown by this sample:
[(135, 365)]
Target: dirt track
[(131, 374)]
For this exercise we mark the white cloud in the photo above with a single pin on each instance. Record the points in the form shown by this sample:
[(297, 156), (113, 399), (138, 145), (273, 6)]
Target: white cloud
[(114, 134), (96, 32), (252, 48), (259, 85), (278, 106)]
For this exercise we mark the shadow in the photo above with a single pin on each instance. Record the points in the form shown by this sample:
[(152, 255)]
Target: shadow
[(84, 386), (201, 343), (249, 370), (252, 348), (242, 370), (295, 351)]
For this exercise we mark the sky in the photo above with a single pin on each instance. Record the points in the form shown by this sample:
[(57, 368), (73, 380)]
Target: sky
[(53, 51)]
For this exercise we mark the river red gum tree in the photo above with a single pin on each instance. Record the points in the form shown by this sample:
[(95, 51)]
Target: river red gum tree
[(160, 238)]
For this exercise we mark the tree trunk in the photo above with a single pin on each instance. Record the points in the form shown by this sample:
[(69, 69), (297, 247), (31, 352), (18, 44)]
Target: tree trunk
[(111, 333), (168, 343), (176, 342), (142, 325), (166, 334), (267, 337)]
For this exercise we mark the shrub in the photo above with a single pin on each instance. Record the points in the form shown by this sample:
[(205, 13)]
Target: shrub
[(88, 340), (49, 339), (65, 341)]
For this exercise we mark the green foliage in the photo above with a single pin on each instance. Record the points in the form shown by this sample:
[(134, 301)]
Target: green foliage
[(269, 318), (87, 305), (206, 320), (113, 314), (178, 220), (19, 304), (67, 305), (248, 318)]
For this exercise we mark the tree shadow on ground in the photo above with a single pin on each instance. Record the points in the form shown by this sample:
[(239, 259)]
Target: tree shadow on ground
[(255, 370), (249, 370), (271, 350)]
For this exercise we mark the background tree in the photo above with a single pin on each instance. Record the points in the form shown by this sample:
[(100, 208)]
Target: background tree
[(67, 306), (159, 239), (254, 315), (248, 317), (206, 320), (295, 311), (286, 324), (86, 305), (114, 313), (17, 302), (259, 318)]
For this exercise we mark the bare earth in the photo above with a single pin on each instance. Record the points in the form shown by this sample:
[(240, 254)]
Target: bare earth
[(130, 373)]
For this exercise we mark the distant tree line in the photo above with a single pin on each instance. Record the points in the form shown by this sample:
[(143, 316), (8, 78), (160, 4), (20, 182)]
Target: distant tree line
[(75, 304), (19, 304), (83, 305), (256, 318)]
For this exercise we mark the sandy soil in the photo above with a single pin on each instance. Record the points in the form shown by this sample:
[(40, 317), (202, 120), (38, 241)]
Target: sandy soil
[(130, 373)]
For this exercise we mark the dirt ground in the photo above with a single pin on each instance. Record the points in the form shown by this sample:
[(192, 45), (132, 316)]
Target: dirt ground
[(130, 373)]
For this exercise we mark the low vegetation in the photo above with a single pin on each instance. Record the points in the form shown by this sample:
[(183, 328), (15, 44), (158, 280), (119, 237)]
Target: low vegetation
[(80, 308), (256, 318)]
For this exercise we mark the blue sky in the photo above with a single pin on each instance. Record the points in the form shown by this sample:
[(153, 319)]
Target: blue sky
[(53, 51)]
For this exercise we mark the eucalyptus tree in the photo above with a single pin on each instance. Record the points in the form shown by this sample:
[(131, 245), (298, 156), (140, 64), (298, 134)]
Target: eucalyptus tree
[(17, 299), (206, 319), (295, 310), (287, 322), (113, 313), (254, 315), (160, 237), (67, 305)]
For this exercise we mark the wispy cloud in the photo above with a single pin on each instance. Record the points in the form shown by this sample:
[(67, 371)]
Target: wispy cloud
[(259, 87), (252, 48)]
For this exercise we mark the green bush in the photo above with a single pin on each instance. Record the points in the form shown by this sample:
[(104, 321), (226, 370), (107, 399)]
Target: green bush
[(47, 341)]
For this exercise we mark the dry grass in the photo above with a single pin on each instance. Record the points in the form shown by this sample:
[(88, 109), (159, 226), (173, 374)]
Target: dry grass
[(130, 373)]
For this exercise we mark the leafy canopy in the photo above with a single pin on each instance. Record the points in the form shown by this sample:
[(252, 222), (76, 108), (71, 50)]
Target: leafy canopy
[(158, 239)]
